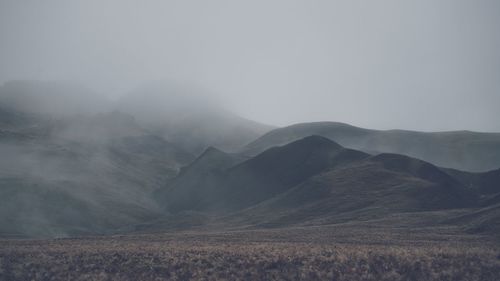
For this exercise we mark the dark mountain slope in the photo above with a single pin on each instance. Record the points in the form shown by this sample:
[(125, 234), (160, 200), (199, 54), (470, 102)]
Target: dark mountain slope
[(266, 175), (484, 220), (487, 183), (449, 192), (197, 185), (462, 150), (367, 189), (280, 168)]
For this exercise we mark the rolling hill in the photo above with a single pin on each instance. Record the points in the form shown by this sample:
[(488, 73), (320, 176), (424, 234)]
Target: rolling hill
[(462, 150), (259, 178), (369, 189), (315, 181)]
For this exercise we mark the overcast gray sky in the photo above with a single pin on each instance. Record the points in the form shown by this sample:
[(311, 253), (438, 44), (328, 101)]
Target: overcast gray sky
[(424, 65)]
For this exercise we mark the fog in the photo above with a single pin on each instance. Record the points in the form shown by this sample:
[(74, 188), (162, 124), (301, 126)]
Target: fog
[(421, 65)]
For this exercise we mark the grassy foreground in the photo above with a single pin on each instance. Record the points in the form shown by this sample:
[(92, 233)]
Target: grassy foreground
[(255, 256)]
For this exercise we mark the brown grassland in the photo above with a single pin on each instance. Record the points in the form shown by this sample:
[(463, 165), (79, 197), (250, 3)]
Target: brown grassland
[(312, 253)]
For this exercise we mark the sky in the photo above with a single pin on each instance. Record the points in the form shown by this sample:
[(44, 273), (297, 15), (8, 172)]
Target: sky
[(427, 65)]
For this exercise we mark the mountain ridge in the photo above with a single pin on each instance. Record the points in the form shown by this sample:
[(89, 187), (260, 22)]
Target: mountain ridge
[(463, 150)]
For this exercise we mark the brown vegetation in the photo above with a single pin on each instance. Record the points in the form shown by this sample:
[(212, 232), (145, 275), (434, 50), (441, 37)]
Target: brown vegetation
[(243, 256)]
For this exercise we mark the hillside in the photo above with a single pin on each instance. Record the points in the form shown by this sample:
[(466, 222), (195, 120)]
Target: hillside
[(315, 181), (262, 177), (79, 175), (486, 183), (463, 150), (74, 163), (365, 190), (196, 186)]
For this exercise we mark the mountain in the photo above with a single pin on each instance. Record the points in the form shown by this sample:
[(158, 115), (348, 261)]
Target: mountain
[(483, 220), (78, 175), (68, 169), (196, 186), (367, 190), (316, 168), (189, 118), (315, 179), (180, 114), (485, 183), (74, 163), (259, 178), (462, 150)]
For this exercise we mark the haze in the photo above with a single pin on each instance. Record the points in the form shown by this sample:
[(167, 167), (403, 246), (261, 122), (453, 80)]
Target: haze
[(421, 65)]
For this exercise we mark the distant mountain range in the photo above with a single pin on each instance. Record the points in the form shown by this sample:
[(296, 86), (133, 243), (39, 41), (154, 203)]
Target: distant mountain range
[(463, 150), (159, 162)]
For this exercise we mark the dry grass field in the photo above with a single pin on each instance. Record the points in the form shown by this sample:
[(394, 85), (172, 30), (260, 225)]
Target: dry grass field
[(288, 254)]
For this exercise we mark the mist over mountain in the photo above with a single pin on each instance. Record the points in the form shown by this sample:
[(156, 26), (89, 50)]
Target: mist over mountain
[(167, 157), (75, 164), (189, 117), (81, 176)]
